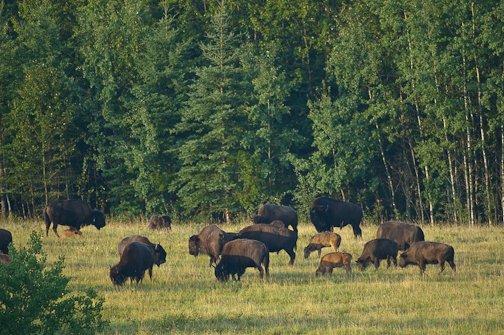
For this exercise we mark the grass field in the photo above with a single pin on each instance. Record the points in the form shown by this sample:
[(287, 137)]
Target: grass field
[(185, 298)]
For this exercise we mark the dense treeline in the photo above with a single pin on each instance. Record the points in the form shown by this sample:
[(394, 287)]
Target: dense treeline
[(205, 109)]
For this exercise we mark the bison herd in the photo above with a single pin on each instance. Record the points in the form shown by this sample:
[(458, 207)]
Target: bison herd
[(232, 252)]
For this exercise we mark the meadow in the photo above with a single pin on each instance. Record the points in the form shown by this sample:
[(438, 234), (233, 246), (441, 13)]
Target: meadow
[(185, 298)]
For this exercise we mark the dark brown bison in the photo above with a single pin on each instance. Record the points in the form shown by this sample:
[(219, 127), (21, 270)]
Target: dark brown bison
[(423, 253), (135, 259), (70, 233), (159, 252), (5, 259), (334, 260), (327, 213), (322, 240), (268, 213), (405, 234), (5, 240), (376, 250), (160, 223), (275, 238), (209, 241), (73, 213), (240, 254)]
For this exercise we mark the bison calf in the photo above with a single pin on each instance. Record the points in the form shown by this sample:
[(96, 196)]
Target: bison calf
[(240, 254), (334, 260), (376, 250), (322, 240), (135, 259), (159, 252), (5, 240), (423, 253), (69, 233)]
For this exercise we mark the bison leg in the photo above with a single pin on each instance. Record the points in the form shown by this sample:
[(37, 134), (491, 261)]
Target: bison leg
[(330, 270), (55, 229), (150, 273), (261, 271), (348, 269), (388, 262), (357, 231), (452, 265), (319, 252), (376, 263), (442, 265), (265, 262), (421, 265), (292, 256), (394, 260)]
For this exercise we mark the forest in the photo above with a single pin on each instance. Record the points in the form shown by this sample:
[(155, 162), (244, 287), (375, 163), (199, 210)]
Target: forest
[(206, 109)]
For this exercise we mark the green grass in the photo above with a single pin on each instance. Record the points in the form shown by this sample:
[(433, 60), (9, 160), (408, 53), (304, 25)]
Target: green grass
[(185, 298)]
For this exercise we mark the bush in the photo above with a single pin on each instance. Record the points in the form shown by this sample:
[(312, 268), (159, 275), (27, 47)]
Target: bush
[(35, 299)]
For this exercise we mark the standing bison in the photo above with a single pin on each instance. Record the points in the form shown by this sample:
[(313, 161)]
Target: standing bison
[(209, 241), (72, 213), (5, 240), (275, 238), (322, 240), (240, 254), (160, 223), (326, 213), (135, 259), (405, 234), (159, 252), (268, 213), (376, 250), (334, 260), (423, 253)]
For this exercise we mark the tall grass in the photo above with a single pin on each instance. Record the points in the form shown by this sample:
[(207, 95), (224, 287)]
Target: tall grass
[(185, 298)]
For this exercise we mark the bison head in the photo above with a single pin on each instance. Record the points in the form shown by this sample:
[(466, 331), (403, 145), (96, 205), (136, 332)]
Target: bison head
[(194, 245), (318, 218), (320, 271), (221, 272), (98, 219), (307, 251), (159, 255), (404, 260), (116, 277), (362, 263)]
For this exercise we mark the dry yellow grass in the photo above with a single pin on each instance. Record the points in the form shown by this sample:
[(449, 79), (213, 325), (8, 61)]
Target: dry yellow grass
[(185, 298)]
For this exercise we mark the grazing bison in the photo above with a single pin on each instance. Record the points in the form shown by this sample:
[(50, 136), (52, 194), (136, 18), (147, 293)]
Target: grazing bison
[(268, 213), (240, 254), (275, 238), (334, 260), (322, 240), (423, 253), (160, 223), (376, 250), (5, 259), (69, 233), (73, 213), (159, 252), (135, 259), (326, 213), (5, 240), (209, 241), (405, 234)]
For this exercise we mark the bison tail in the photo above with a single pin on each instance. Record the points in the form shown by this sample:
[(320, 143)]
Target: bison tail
[(47, 221), (420, 235)]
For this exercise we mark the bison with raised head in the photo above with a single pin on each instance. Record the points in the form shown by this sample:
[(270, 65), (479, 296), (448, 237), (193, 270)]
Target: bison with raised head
[(160, 223), (322, 240), (405, 234), (72, 213), (268, 213), (376, 250), (210, 241), (5, 240), (240, 254), (135, 259), (327, 213), (423, 253), (275, 237), (159, 252)]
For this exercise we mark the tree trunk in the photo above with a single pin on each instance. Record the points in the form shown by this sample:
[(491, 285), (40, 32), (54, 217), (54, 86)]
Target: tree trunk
[(502, 172), (387, 172), (488, 205), (419, 190)]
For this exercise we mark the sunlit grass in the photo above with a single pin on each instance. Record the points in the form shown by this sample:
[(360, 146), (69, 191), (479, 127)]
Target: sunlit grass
[(185, 298)]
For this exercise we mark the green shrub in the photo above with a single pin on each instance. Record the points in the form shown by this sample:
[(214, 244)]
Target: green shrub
[(35, 299)]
